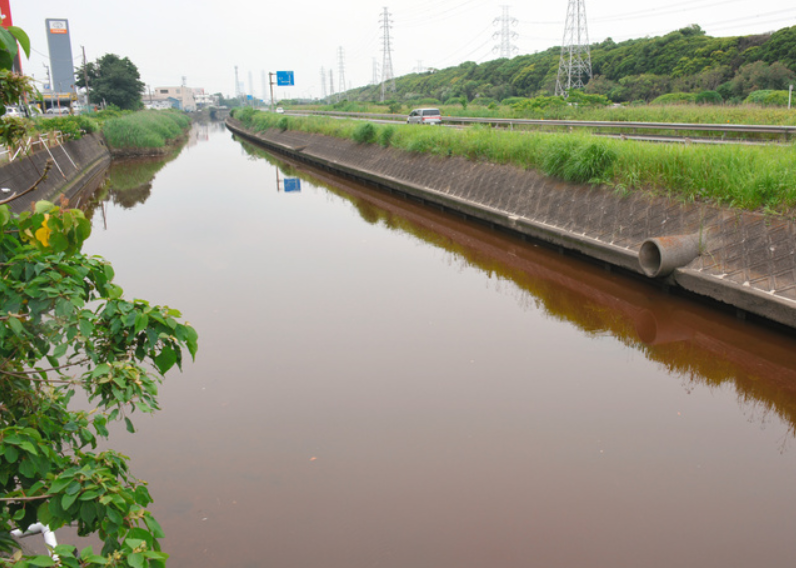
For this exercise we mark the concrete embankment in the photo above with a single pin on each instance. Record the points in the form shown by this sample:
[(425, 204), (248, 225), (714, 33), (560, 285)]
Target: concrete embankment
[(77, 165), (742, 259)]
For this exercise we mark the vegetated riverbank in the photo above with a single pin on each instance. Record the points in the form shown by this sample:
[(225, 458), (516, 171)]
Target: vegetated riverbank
[(554, 108), (746, 177), (145, 133)]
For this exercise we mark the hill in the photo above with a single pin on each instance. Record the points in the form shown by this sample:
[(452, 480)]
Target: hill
[(684, 61)]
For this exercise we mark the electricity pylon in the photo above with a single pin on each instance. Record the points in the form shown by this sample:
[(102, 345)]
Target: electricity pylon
[(386, 62), (340, 70), (505, 47), (575, 63), (323, 83)]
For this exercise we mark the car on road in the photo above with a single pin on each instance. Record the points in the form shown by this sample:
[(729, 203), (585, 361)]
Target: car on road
[(57, 111), (13, 111), (280, 110), (424, 116)]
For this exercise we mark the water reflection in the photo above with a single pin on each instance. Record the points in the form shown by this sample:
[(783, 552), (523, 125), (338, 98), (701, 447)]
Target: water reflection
[(695, 343)]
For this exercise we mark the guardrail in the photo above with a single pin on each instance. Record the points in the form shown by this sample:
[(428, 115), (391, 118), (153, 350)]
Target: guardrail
[(784, 131)]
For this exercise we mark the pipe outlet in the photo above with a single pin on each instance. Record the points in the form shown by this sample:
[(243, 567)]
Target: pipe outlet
[(662, 255)]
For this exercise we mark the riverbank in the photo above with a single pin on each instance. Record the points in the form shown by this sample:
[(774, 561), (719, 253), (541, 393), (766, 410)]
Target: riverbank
[(76, 165), (742, 259)]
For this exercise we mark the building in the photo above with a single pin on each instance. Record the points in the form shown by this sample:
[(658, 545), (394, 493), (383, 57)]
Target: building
[(184, 96)]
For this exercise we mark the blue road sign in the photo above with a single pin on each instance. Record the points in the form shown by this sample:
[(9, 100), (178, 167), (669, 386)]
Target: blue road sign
[(284, 78), (292, 184)]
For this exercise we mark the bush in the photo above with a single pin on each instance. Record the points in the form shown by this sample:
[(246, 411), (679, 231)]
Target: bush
[(365, 133), (675, 99), (758, 97), (283, 124), (709, 98), (385, 136)]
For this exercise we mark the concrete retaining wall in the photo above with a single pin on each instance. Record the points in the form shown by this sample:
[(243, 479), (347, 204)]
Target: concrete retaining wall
[(743, 259), (77, 163)]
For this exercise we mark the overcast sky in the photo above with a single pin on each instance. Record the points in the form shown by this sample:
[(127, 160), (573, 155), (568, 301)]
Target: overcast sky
[(203, 40)]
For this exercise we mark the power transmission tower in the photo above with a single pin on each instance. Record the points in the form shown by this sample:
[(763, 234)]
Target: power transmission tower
[(323, 82), (386, 62), (505, 47), (575, 63), (331, 85), (340, 70)]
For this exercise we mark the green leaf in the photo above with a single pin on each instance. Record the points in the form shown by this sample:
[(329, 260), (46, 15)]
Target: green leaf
[(8, 42), (67, 500), (12, 454), (154, 526), (129, 425), (136, 560), (22, 38), (5, 215), (141, 321), (41, 561), (166, 359), (15, 324)]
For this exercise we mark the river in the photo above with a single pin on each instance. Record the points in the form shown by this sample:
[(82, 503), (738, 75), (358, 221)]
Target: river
[(379, 384)]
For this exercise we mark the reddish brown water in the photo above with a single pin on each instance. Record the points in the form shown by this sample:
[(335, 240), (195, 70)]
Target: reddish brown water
[(381, 385)]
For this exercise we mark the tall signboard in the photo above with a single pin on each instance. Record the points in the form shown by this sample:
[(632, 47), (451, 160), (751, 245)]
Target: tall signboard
[(62, 68), (5, 15)]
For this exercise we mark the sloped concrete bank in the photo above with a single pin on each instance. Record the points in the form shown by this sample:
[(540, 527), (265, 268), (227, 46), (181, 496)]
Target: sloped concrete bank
[(77, 165), (742, 259)]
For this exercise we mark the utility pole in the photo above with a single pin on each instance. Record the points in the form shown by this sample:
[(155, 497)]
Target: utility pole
[(341, 70), (85, 73), (505, 47), (386, 62), (575, 63), (271, 82), (237, 84)]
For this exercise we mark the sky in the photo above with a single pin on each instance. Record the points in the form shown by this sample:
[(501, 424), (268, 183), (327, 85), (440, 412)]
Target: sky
[(203, 40)]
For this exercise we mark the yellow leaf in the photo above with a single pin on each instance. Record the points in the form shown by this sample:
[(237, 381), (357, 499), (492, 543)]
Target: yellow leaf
[(43, 234)]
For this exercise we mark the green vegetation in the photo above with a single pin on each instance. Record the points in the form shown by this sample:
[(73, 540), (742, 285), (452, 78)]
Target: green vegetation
[(149, 129), (683, 61), (112, 80), (748, 177), (64, 327)]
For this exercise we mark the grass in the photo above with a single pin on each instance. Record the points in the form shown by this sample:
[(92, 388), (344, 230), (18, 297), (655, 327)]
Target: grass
[(746, 177), (686, 113), (147, 129)]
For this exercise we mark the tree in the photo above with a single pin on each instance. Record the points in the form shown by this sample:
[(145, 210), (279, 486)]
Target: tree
[(113, 80), (65, 326)]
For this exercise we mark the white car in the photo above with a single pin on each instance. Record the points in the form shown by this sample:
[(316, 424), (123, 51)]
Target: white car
[(280, 110), (13, 111), (57, 111), (424, 116)]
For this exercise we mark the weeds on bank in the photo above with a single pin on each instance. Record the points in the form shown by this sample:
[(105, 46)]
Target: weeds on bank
[(145, 129), (748, 177)]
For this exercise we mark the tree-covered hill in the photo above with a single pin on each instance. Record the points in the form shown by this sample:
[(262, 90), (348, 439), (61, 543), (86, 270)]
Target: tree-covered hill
[(685, 60)]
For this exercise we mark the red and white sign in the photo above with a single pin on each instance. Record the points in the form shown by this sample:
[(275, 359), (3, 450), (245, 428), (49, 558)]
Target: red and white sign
[(58, 27), (5, 13)]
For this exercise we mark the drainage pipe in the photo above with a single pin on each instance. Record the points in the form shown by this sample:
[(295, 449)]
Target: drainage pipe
[(49, 536), (660, 256)]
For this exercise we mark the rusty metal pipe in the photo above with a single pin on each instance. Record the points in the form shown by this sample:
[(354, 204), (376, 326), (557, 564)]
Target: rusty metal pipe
[(660, 256)]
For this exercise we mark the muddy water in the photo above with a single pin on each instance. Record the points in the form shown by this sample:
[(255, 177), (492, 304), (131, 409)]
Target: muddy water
[(382, 385)]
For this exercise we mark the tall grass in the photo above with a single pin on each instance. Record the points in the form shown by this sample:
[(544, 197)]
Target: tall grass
[(748, 177), (145, 129)]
